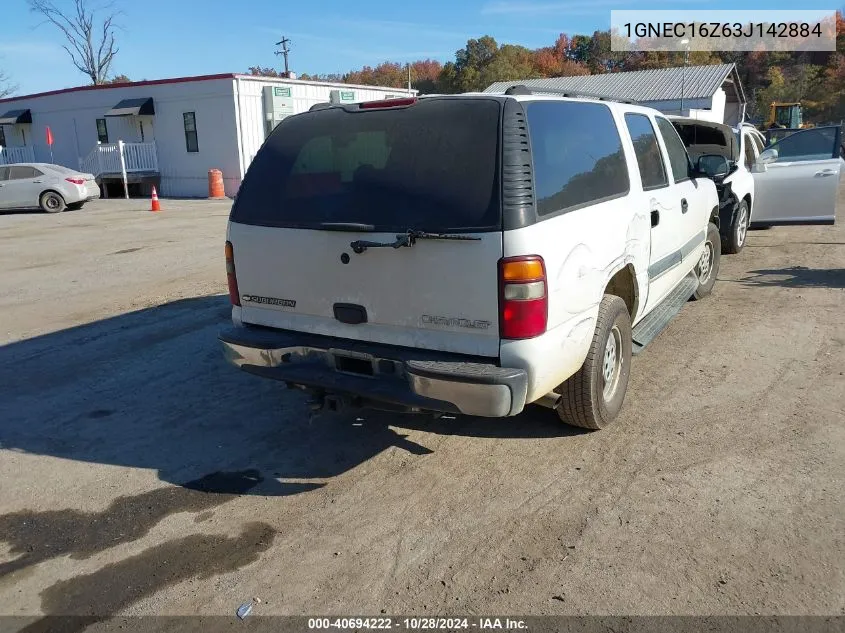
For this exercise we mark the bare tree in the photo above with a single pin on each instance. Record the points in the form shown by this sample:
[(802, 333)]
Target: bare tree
[(6, 85), (89, 35)]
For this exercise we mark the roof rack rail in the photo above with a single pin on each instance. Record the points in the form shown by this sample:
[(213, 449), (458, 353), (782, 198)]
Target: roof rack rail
[(522, 89)]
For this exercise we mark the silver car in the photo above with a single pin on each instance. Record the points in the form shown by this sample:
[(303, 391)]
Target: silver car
[(53, 188)]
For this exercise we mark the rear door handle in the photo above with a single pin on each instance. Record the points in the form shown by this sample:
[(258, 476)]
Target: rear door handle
[(36, 182), (684, 205), (824, 172), (655, 217)]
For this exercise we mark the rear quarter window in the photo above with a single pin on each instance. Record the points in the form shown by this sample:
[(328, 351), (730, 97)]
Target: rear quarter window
[(578, 157)]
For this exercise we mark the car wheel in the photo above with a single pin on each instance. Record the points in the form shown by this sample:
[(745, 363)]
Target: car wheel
[(707, 267), (735, 239), (76, 206), (593, 397), (51, 202)]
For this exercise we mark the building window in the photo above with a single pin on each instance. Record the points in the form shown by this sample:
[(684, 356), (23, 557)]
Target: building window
[(191, 142), (102, 131)]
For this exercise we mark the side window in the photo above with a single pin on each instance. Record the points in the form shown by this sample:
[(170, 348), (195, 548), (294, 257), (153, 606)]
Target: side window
[(647, 151), (23, 172), (813, 144), (102, 131), (750, 154), (678, 158), (191, 141), (4, 173), (2, 137), (578, 157)]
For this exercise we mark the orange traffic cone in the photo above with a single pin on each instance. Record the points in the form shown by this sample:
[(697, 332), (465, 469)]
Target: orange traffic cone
[(155, 206)]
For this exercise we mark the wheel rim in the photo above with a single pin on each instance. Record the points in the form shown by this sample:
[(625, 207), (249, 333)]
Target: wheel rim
[(612, 363), (742, 226), (52, 202), (705, 263)]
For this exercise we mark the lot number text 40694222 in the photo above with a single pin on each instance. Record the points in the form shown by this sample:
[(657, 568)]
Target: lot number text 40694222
[(417, 624)]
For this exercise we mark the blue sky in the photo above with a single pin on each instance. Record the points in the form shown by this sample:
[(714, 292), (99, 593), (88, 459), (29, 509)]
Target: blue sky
[(172, 38)]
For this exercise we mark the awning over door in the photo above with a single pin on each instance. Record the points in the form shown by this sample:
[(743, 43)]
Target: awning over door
[(13, 117), (133, 107)]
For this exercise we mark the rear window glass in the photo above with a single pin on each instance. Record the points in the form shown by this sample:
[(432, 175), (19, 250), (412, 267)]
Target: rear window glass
[(578, 158), (431, 166), (62, 170)]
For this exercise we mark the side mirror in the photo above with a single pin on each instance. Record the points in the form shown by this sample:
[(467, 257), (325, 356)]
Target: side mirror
[(713, 165), (766, 156)]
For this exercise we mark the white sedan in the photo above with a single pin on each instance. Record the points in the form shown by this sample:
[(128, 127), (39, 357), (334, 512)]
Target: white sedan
[(52, 188)]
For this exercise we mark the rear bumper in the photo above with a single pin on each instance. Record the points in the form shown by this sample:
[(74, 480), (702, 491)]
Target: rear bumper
[(413, 380)]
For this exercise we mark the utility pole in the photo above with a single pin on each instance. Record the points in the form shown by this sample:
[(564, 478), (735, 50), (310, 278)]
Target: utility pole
[(285, 50), (686, 43)]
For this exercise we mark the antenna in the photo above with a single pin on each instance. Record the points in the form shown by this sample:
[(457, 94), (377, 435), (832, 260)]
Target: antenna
[(285, 50)]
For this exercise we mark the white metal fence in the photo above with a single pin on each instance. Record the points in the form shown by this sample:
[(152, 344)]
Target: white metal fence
[(106, 158), (10, 155)]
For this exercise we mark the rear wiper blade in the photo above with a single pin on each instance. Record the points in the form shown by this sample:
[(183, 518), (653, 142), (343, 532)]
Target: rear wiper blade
[(408, 239), (346, 226)]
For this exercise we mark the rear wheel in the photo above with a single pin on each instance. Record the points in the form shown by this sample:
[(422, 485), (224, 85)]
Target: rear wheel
[(735, 239), (593, 397), (707, 267), (51, 202)]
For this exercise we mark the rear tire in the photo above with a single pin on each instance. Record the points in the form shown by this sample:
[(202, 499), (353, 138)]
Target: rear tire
[(593, 397), (707, 268), (76, 206), (738, 231), (51, 202)]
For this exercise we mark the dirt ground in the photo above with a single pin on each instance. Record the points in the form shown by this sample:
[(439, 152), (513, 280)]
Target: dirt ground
[(139, 474)]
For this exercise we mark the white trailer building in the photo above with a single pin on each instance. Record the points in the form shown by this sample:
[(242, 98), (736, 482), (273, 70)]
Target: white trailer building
[(170, 132)]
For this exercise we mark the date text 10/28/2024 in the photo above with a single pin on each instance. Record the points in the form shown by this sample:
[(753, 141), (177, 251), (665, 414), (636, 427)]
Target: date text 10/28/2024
[(418, 624)]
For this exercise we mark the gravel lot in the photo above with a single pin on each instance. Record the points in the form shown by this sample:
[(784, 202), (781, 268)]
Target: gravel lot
[(142, 475)]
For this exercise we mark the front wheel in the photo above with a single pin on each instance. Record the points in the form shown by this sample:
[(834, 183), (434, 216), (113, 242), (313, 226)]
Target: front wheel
[(707, 267), (738, 230), (593, 397), (51, 202)]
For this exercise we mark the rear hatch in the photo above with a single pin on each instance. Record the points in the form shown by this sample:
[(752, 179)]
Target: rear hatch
[(327, 180)]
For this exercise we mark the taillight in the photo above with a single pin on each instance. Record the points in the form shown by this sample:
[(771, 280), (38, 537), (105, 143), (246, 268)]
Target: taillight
[(231, 278), (387, 103), (76, 181), (523, 297)]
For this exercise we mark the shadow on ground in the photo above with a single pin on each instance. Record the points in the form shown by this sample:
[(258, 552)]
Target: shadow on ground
[(150, 389), (796, 277)]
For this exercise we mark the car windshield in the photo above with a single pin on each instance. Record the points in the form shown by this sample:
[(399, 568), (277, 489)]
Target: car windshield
[(432, 166)]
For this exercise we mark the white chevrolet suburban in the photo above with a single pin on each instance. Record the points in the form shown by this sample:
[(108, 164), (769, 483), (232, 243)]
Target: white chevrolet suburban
[(466, 254)]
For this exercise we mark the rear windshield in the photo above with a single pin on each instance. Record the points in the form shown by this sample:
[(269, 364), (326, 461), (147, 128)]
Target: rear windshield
[(432, 166)]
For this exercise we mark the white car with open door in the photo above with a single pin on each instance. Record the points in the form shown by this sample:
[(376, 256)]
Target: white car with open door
[(727, 155), (466, 253), (796, 178)]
